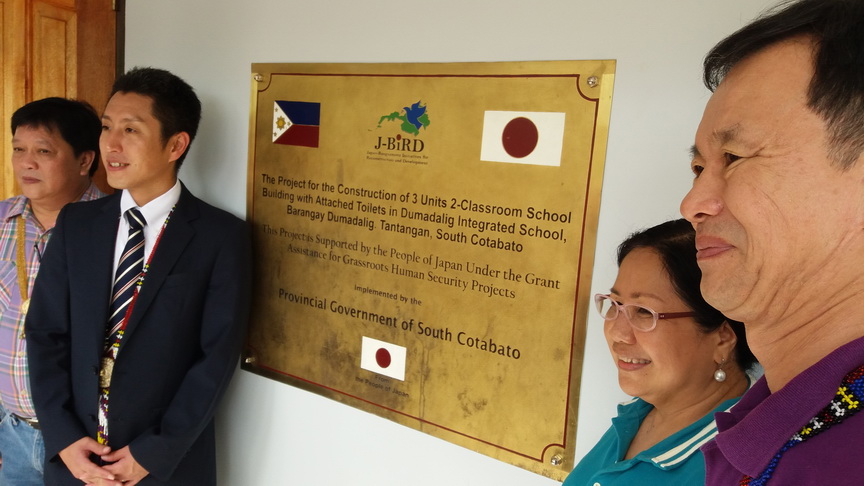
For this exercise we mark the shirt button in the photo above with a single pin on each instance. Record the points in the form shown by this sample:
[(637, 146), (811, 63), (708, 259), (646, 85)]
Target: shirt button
[(596, 484)]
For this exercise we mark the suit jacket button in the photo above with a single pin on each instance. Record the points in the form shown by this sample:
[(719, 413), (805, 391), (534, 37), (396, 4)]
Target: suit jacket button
[(92, 417)]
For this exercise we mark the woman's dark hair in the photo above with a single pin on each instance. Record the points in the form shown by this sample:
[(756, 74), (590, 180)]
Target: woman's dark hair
[(675, 243)]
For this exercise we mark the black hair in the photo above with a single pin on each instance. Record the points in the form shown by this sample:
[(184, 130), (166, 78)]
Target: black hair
[(675, 243), (75, 121), (175, 103), (836, 92)]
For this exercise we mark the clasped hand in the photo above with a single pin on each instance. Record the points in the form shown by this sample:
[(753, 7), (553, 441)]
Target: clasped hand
[(122, 470)]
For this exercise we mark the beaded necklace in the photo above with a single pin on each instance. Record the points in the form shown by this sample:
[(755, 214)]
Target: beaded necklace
[(846, 403), (112, 344)]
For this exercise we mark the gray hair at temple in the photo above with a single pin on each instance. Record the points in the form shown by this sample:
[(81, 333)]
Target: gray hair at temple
[(836, 92)]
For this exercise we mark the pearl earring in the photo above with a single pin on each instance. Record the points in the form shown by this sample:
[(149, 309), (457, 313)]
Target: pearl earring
[(720, 375)]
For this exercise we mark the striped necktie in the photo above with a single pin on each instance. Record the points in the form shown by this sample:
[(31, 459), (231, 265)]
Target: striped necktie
[(128, 269)]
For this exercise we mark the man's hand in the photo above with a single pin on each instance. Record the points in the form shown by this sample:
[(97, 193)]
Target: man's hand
[(125, 467), (77, 459)]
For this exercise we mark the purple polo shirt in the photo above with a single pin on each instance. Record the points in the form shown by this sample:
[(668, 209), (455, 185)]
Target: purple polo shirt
[(758, 426)]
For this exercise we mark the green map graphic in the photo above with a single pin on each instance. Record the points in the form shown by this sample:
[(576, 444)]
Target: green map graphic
[(413, 118)]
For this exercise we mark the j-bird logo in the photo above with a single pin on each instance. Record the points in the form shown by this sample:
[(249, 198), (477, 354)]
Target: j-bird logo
[(411, 120)]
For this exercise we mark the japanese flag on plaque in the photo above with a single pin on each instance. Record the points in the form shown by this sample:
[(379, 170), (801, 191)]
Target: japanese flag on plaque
[(383, 358), (523, 137), (296, 123)]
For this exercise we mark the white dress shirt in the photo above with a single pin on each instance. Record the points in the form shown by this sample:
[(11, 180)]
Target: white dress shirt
[(154, 213)]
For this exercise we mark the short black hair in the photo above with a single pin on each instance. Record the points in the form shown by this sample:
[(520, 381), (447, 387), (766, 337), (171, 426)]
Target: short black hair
[(675, 243), (76, 122), (836, 92), (175, 103)]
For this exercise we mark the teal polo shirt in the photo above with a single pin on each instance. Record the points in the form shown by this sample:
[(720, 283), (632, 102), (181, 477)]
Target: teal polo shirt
[(675, 460)]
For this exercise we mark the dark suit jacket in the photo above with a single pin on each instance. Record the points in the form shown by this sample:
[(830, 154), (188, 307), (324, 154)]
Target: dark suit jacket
[(179, 351)]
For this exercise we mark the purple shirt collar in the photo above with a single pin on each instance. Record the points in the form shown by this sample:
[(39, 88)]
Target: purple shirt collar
[(758, 426)]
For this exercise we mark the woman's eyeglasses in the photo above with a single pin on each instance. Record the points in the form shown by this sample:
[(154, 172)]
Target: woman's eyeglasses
[(640, 317)]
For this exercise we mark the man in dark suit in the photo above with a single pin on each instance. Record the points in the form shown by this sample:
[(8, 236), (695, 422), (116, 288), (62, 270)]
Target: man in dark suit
[(126, 380)]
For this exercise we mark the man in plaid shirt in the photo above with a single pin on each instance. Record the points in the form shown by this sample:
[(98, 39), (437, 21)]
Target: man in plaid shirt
[(55, 151)]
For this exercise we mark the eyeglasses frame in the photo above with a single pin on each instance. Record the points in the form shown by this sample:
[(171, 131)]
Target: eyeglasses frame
[(620, 310)]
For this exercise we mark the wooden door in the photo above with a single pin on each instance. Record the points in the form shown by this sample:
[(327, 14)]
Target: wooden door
[(62, 48)]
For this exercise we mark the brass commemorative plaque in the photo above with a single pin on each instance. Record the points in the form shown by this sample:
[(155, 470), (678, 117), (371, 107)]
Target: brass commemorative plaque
[(424, 238)]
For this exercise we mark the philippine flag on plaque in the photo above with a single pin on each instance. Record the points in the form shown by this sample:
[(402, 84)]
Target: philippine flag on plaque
[(296, 123), (383, 358), (523, 137)]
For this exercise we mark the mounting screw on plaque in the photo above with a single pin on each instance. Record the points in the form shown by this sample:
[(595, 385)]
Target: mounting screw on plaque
[(556, 460), (592, 81), (250, 360), (258, 78)]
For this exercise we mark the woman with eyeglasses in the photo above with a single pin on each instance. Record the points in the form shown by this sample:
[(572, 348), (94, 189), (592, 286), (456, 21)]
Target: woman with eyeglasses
[(679, 356)]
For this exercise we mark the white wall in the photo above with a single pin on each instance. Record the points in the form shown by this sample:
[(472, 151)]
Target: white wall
[(271, 433)]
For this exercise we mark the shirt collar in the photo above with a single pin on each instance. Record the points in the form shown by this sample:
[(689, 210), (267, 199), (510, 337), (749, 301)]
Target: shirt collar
[(155, 210), (690, 439), (21, 205), (674, 450), (762, 422)]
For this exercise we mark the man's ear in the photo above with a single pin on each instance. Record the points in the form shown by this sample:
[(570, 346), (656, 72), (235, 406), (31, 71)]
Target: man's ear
[(177, 145), (85, 161)]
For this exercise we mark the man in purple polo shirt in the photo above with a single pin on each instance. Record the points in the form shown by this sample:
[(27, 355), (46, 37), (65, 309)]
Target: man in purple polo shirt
[(778, 206)]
